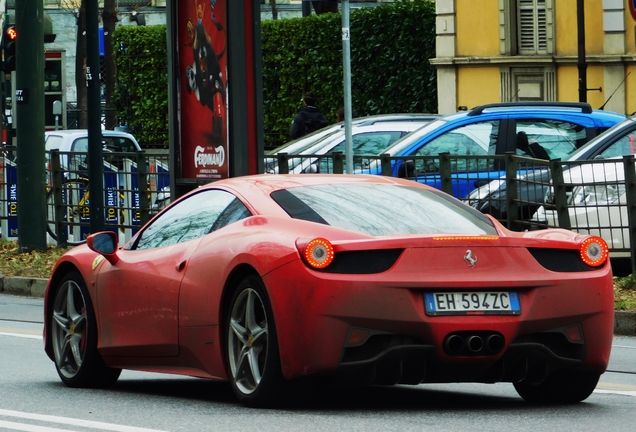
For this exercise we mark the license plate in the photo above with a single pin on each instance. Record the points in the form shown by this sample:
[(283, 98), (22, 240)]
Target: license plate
[(472, 303)]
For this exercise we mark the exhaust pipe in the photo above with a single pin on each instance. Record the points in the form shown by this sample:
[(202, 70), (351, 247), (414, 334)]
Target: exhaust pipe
[(454, 344), (495, 343), (475, 343)]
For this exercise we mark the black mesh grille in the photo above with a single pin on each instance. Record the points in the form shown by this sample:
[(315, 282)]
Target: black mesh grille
[(560, 260), (364, 262)]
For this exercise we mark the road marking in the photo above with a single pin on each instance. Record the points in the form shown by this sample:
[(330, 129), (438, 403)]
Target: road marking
[(624, 393), (615, 386), (623, 346), (29, 428), (73, 422), (35, 331), (27, 336)]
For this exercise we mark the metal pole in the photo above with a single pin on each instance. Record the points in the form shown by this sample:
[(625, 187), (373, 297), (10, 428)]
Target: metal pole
[(29, 111), (346, 69), (95, 155), (582, 65)]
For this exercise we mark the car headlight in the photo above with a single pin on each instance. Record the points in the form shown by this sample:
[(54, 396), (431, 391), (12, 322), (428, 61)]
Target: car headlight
[(596, 194)]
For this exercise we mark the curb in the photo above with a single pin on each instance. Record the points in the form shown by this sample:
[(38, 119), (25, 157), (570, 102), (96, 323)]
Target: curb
[(23, 286), (624, 322)]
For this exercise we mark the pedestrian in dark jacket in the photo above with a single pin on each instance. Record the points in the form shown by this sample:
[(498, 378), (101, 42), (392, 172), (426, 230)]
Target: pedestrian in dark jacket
[(308, 119)]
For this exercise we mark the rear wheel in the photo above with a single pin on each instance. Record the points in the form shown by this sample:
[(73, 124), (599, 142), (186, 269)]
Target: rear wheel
[(74, 337), (251, 347), (562, 387)]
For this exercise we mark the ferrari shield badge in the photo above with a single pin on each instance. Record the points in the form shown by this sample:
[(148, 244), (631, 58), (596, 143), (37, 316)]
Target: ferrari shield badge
[(98, 259)]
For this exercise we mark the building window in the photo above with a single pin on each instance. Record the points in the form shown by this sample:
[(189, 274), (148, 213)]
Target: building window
[(531, 27), (527, 84), (527, 27)]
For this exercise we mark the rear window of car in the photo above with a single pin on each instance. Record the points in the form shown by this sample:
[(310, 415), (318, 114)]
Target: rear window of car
[(383, 210)]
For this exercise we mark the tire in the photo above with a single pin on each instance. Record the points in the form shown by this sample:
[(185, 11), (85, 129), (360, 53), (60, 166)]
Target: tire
[(251, 347), (561, 387), (74, 337), (72, 193)]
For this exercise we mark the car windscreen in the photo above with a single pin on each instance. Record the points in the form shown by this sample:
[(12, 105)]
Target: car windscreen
[(383, 210), (589, 148), (414, 136)]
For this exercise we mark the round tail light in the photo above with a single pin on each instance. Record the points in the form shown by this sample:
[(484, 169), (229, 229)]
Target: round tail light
[(319, 253), (594, 251)]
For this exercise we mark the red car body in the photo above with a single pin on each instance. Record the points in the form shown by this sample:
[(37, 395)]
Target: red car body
[(164, 309)]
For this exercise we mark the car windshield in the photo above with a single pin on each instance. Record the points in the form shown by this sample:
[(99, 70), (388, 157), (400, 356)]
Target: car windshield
[(383, 210), (578, 154), (299, 145), (414, 136)]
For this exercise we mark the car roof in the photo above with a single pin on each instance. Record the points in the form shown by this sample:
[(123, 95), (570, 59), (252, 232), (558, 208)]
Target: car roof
[(84, 132), (565, 111), (301, 144)]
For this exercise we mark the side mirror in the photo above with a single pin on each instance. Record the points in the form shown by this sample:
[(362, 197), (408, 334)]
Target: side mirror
[(104, 243)]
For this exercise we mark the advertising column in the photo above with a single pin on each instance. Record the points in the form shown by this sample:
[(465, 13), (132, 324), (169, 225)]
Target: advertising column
[(202, 42)]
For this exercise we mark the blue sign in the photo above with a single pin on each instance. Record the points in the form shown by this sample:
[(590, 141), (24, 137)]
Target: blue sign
[(12, 199)]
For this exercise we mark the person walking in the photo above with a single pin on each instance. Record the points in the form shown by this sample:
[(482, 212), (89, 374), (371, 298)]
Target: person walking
[(308, 119)]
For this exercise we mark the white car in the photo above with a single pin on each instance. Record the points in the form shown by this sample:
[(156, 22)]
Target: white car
[(76, 140), (596, 189), (597, 203), (370, 136)]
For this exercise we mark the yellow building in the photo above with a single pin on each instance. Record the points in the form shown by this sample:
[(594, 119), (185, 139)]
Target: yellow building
[(527, 50)]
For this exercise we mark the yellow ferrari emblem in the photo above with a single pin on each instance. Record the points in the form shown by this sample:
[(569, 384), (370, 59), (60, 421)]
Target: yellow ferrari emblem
[(98, 259)]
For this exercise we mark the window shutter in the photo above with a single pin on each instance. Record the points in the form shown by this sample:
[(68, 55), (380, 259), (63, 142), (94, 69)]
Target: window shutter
[(532, 27)]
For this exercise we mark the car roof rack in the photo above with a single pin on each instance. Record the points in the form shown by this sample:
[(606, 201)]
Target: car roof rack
[(586, 108)]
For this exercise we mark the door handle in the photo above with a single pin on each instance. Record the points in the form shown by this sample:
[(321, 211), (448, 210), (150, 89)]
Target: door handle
[(179, 267)]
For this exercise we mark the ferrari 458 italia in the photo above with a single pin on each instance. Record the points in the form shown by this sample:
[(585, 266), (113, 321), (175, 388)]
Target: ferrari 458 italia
[(263, 280)]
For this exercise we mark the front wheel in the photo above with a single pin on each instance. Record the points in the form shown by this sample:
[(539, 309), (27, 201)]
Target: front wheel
[(251, 348), (562, 387), (74, 337)]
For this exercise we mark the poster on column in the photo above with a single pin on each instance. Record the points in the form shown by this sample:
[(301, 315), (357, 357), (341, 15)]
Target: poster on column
[(202, 42)]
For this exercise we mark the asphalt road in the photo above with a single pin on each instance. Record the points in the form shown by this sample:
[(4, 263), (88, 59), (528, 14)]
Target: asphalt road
[(32, 398)]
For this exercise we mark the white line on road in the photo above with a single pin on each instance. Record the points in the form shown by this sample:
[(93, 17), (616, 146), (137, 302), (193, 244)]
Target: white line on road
[(22, 335), (73, 422), (623, 346), (618, 392), (29, 428)]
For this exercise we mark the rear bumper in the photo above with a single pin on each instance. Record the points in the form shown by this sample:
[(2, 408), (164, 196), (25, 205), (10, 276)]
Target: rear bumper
[(315, 314)]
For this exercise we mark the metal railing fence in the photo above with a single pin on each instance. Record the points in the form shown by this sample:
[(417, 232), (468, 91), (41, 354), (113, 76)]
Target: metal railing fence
[(136, 186), (591, 197), (595, 197)]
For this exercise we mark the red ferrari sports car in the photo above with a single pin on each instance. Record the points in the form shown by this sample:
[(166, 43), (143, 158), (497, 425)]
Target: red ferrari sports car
[(262, 280)]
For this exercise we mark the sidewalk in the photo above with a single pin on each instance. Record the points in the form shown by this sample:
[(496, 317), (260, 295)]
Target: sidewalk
[(624, 322)]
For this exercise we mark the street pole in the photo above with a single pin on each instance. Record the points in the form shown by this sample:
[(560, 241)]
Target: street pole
[(582, 65), (29, 109), (95, 154), (346, 69)]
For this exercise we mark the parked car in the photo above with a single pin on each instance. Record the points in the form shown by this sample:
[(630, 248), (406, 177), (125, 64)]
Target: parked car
[(76, 140), (597, 204), (492, 129), (370, 135), (533, 185), (262, 280)]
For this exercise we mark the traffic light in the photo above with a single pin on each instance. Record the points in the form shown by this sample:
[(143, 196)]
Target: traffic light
[(9, 35)]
